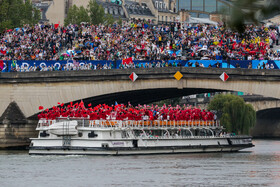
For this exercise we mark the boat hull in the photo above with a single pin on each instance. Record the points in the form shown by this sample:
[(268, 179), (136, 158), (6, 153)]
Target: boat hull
[(61, 150)]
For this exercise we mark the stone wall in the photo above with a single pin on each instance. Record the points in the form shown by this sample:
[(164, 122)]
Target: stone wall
[(15, 129)]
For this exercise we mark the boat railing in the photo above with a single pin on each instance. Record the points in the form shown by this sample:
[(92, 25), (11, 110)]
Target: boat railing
[(134, 123), (44, 123), (152, 124)]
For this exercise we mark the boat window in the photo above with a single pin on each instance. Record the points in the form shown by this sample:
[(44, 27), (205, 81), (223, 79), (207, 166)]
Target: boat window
[(137, 132), (104, 145), (185, 133), (124, 134), (44, 134), (80, 134), (92, 134)]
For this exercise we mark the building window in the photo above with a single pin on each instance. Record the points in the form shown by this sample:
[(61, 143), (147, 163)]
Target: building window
[(222, 7), (121, 11), (210, 6), (197, 5), (160, 5), (156, 4), (185, 4)]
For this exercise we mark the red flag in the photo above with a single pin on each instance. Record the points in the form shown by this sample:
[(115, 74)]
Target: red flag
[(127, 60), (124, 61), (76, 104), (1, 64), (62, 104), (3, 52), (56, 26), (81, 105), (41, 107), (58, 103), (71, 104), (89, 105)]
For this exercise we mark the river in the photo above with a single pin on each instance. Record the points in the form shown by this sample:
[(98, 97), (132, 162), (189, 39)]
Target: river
[(257, 166)]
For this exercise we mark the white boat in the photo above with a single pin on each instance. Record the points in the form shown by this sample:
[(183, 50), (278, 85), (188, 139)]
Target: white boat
[(113, 137)]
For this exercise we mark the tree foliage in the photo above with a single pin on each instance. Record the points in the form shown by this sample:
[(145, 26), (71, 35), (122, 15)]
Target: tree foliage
[(251, 11), (76, 15), (94, 14), (235, 115), (16, 13)]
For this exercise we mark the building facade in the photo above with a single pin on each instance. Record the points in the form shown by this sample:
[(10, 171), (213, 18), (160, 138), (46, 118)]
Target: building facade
[(55, 11), (204, 8)]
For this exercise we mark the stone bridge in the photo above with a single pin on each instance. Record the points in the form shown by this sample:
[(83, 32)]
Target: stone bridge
[(267, 108), (22, 93)]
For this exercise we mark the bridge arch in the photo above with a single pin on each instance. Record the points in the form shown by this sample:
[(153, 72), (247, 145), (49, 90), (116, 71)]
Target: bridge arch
[(268, 123), (32, 89)]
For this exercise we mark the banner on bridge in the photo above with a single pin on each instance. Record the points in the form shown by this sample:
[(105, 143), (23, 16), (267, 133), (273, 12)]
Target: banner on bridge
[(8, 66)]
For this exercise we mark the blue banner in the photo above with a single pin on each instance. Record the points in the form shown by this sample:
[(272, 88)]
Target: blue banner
[(10, 66)]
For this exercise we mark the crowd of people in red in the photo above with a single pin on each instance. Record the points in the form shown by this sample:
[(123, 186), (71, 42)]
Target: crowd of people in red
[(125, 112)]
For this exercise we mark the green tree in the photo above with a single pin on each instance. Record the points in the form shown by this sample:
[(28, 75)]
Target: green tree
[(109, 19), (234, 113), (76, 15), (96, 12), (16, 13), (251, 11)]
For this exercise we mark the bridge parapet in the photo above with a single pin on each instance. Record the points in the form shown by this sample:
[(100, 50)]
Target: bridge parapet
[(143, 73)]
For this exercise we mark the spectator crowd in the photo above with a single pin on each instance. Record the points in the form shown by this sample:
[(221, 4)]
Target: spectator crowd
[(138, 40), (125, 112)]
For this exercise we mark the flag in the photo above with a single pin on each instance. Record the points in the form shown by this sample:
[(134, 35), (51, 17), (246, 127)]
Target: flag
[(3, 52), (56, 26), (89, 105), (41, 107), (1, 65), (127, 61), (81, 104), (14, 64), (76, 63), (62, 104)]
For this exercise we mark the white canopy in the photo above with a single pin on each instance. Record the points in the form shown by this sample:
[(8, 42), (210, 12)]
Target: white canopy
[(201, 20)]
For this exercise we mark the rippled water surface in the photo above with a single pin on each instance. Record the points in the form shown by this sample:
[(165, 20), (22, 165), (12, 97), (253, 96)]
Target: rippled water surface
[(258, 166)]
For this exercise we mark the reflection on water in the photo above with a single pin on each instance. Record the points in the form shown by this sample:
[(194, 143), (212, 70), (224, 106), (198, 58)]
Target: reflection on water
[(258, 166)]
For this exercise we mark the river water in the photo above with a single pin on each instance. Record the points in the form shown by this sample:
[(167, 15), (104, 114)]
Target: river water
[(258, 166)]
